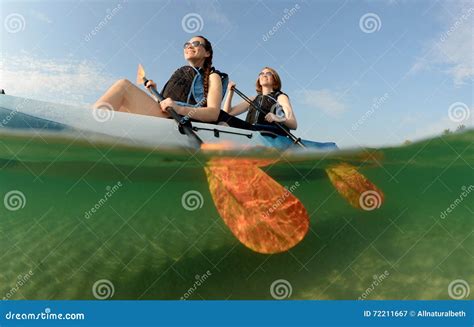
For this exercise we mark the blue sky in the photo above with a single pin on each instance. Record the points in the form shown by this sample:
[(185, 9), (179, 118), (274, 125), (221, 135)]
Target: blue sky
[(357, 72)]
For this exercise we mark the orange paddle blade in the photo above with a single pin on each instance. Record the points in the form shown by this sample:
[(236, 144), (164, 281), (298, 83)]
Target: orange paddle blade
[(140, 74), (262, 214), (355, 187)]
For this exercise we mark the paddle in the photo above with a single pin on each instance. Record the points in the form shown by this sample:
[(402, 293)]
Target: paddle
[(354, 187), (184, 123), (262, 214), (247, 208)]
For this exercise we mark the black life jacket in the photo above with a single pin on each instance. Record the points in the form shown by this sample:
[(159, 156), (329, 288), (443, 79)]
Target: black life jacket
[(186, 86), (268, 103)]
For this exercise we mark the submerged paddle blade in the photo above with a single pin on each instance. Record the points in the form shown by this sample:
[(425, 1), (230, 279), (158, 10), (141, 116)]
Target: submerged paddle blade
[(140, 74), (262, 214), (355, 187)]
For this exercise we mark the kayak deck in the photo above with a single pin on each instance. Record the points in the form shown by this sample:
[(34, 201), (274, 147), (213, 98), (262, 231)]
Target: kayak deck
[(21, 113)]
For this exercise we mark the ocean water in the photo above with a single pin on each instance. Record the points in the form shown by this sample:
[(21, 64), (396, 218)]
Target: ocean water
[(86, 220)]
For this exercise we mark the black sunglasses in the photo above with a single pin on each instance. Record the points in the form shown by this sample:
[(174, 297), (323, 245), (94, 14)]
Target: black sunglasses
[(194, 44)]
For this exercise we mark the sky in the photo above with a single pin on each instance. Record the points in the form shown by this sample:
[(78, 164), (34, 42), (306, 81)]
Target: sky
[(359, 73)]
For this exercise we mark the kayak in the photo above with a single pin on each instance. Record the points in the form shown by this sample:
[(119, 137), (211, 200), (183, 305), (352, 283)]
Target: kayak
[(27, 114)]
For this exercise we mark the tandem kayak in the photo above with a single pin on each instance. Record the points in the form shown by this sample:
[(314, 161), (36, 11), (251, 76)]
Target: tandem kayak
[(28, 114)]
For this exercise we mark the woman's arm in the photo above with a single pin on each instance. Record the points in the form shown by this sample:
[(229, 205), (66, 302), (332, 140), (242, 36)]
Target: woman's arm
[(290, 121), (228, 98), (238, 109)]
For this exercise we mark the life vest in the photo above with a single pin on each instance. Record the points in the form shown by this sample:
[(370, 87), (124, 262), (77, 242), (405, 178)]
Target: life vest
[(186, 86), (268, 103)]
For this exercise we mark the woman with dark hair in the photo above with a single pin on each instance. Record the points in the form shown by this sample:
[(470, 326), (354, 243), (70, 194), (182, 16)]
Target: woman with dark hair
[(195, 90), (274, 103)]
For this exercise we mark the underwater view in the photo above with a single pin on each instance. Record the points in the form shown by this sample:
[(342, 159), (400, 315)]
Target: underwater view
[(96, 220)]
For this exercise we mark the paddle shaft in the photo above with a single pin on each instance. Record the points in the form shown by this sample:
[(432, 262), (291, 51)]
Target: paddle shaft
[(183, 122), (295, 139)]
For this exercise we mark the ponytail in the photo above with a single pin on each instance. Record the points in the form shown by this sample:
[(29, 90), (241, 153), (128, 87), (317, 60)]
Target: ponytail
[(207, 66)]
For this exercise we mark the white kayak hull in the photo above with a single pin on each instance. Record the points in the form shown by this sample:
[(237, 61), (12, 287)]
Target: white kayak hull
[(21, 113)]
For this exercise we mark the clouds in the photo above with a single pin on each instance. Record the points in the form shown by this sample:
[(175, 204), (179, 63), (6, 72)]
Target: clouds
[(436, 127), (324, 100), (41, 16), (433, 129), (212, 11), (70, 81), (451, 52)]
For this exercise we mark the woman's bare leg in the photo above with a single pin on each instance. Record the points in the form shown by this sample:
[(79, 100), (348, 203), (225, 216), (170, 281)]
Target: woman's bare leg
[(124, 96)]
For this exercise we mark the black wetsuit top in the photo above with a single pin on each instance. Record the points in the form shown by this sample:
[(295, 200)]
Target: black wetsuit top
[(255, 119)]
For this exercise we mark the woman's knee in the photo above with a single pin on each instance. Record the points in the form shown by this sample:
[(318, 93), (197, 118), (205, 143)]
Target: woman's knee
[(123, 83)]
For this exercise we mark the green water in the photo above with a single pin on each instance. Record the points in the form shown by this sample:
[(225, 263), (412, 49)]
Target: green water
[(149, 246)]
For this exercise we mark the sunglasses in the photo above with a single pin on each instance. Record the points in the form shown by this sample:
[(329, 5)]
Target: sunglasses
[(193, 44), (268, 74)]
